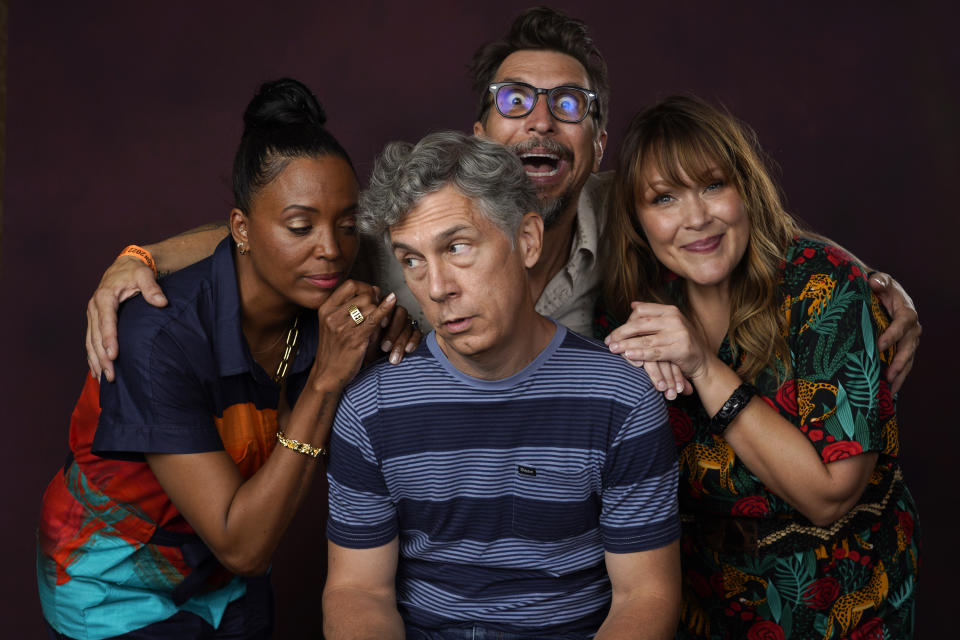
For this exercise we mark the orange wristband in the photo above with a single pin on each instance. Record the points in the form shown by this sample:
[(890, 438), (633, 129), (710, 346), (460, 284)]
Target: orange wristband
[(142, 254)]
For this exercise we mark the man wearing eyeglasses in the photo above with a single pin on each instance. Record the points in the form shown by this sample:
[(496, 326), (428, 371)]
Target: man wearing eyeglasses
[(543, 91), (559, 135)]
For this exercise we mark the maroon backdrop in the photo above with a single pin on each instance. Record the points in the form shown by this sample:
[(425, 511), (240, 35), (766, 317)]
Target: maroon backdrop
[(123, 118)]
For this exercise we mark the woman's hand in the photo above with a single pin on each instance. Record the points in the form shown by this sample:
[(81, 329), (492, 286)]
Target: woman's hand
[(400, 336), (661, 339), (342, 342)]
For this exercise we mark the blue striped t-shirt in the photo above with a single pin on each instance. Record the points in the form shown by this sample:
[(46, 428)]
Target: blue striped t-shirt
[(504, 493)]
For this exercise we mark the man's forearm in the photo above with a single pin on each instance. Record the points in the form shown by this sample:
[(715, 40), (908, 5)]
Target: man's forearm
[(647, 617), (352, 614), (186, 248)]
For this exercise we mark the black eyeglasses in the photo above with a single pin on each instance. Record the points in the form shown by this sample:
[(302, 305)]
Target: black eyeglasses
[(565, 103)]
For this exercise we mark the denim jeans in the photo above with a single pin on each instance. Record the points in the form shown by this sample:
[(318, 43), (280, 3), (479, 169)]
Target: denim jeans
[(479, 632)]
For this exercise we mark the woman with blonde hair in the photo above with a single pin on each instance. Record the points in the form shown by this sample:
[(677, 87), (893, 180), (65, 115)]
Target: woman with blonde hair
[(797, 523)]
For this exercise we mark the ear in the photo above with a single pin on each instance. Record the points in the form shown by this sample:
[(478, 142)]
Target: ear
[(599, 145), (530, 238), (238, 226), (478, 129)]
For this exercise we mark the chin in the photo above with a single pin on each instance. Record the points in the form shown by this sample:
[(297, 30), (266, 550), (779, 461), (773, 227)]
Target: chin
[(311, 301), (468, 345), (710, 279)]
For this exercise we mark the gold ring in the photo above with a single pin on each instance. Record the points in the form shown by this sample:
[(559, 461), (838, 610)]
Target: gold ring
[(355, 314)]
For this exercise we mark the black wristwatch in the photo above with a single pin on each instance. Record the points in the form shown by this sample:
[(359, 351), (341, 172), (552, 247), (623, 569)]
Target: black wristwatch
[(733, 406)]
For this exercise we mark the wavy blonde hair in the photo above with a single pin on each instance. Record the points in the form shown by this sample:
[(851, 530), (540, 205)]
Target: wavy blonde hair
[(685, 134)]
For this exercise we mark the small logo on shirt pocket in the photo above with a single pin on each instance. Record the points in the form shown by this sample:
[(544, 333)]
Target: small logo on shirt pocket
[(553, 501)]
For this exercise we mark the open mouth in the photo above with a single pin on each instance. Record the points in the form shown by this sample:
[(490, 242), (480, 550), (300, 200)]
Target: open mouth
[(540, 164)]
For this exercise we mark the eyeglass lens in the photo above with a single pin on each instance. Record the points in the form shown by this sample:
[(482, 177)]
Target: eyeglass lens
[(565, 103)]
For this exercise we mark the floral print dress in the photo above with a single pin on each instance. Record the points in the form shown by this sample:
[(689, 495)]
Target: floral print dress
[(754, 567)]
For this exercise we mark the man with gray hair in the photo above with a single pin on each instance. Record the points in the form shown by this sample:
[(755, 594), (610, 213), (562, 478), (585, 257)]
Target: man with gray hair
[(542, 90), (510, 478)]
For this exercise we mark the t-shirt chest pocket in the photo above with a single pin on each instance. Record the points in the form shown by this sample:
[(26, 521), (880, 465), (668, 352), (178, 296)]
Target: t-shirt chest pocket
[(552, 500)]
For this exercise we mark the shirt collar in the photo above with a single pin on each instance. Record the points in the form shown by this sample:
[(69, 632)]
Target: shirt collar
[(586, 231)]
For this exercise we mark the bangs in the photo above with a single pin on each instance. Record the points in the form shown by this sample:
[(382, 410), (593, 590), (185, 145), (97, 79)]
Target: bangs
[(680, 151)]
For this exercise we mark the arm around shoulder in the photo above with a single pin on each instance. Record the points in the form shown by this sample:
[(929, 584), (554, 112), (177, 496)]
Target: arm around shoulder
[(184, 249), (128, 276)]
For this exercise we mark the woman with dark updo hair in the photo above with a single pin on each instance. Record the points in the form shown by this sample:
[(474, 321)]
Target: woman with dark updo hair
[(163, 520)]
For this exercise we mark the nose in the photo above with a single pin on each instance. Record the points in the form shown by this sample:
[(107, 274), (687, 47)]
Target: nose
[(540, 119), (696, 214), (326, 247), (441, 281)]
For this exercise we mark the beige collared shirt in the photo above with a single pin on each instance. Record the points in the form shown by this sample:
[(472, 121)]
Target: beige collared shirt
[(570, 295)]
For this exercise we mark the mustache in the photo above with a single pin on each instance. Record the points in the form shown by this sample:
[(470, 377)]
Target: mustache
[(546, 144)]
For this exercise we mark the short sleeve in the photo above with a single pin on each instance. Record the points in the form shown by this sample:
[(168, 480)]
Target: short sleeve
[(157, 403), (361, 512), (838, 395), (639, 496)]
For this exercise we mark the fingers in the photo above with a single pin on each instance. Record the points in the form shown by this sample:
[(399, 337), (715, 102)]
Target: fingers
[(646, 318), (656, 376), (149, 289), (666, 378), (414, 340), (382, 311), (400, 344), (896, 377), (903, 362), (680, 382), (643, 348), (903, 331), (407, 340), (122, 280), (102, 346), (396, 324), (903, 313), (402, 335), (644, 309), (347, 335), (336, 315), (879, 282), (347, 290), (92, 360)]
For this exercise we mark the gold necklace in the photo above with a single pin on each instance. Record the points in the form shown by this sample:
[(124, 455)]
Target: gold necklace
[(270, 348), (288, 350)]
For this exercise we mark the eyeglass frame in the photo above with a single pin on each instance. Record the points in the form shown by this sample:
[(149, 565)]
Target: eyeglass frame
[(592, 99)]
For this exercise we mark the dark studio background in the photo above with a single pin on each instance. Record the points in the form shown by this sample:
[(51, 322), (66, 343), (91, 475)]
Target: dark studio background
[(123, 118)]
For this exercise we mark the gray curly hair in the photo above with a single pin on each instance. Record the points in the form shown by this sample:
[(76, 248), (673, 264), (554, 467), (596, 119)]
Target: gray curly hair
[(485, 172)]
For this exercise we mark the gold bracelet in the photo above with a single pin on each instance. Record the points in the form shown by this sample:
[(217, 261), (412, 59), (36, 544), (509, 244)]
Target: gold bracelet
[(141, 254), (300, 447)]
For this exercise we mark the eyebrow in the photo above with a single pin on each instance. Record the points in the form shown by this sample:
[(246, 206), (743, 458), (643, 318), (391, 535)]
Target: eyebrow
[(442, 237), (661, 181), (572, 83), (302, 207)]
